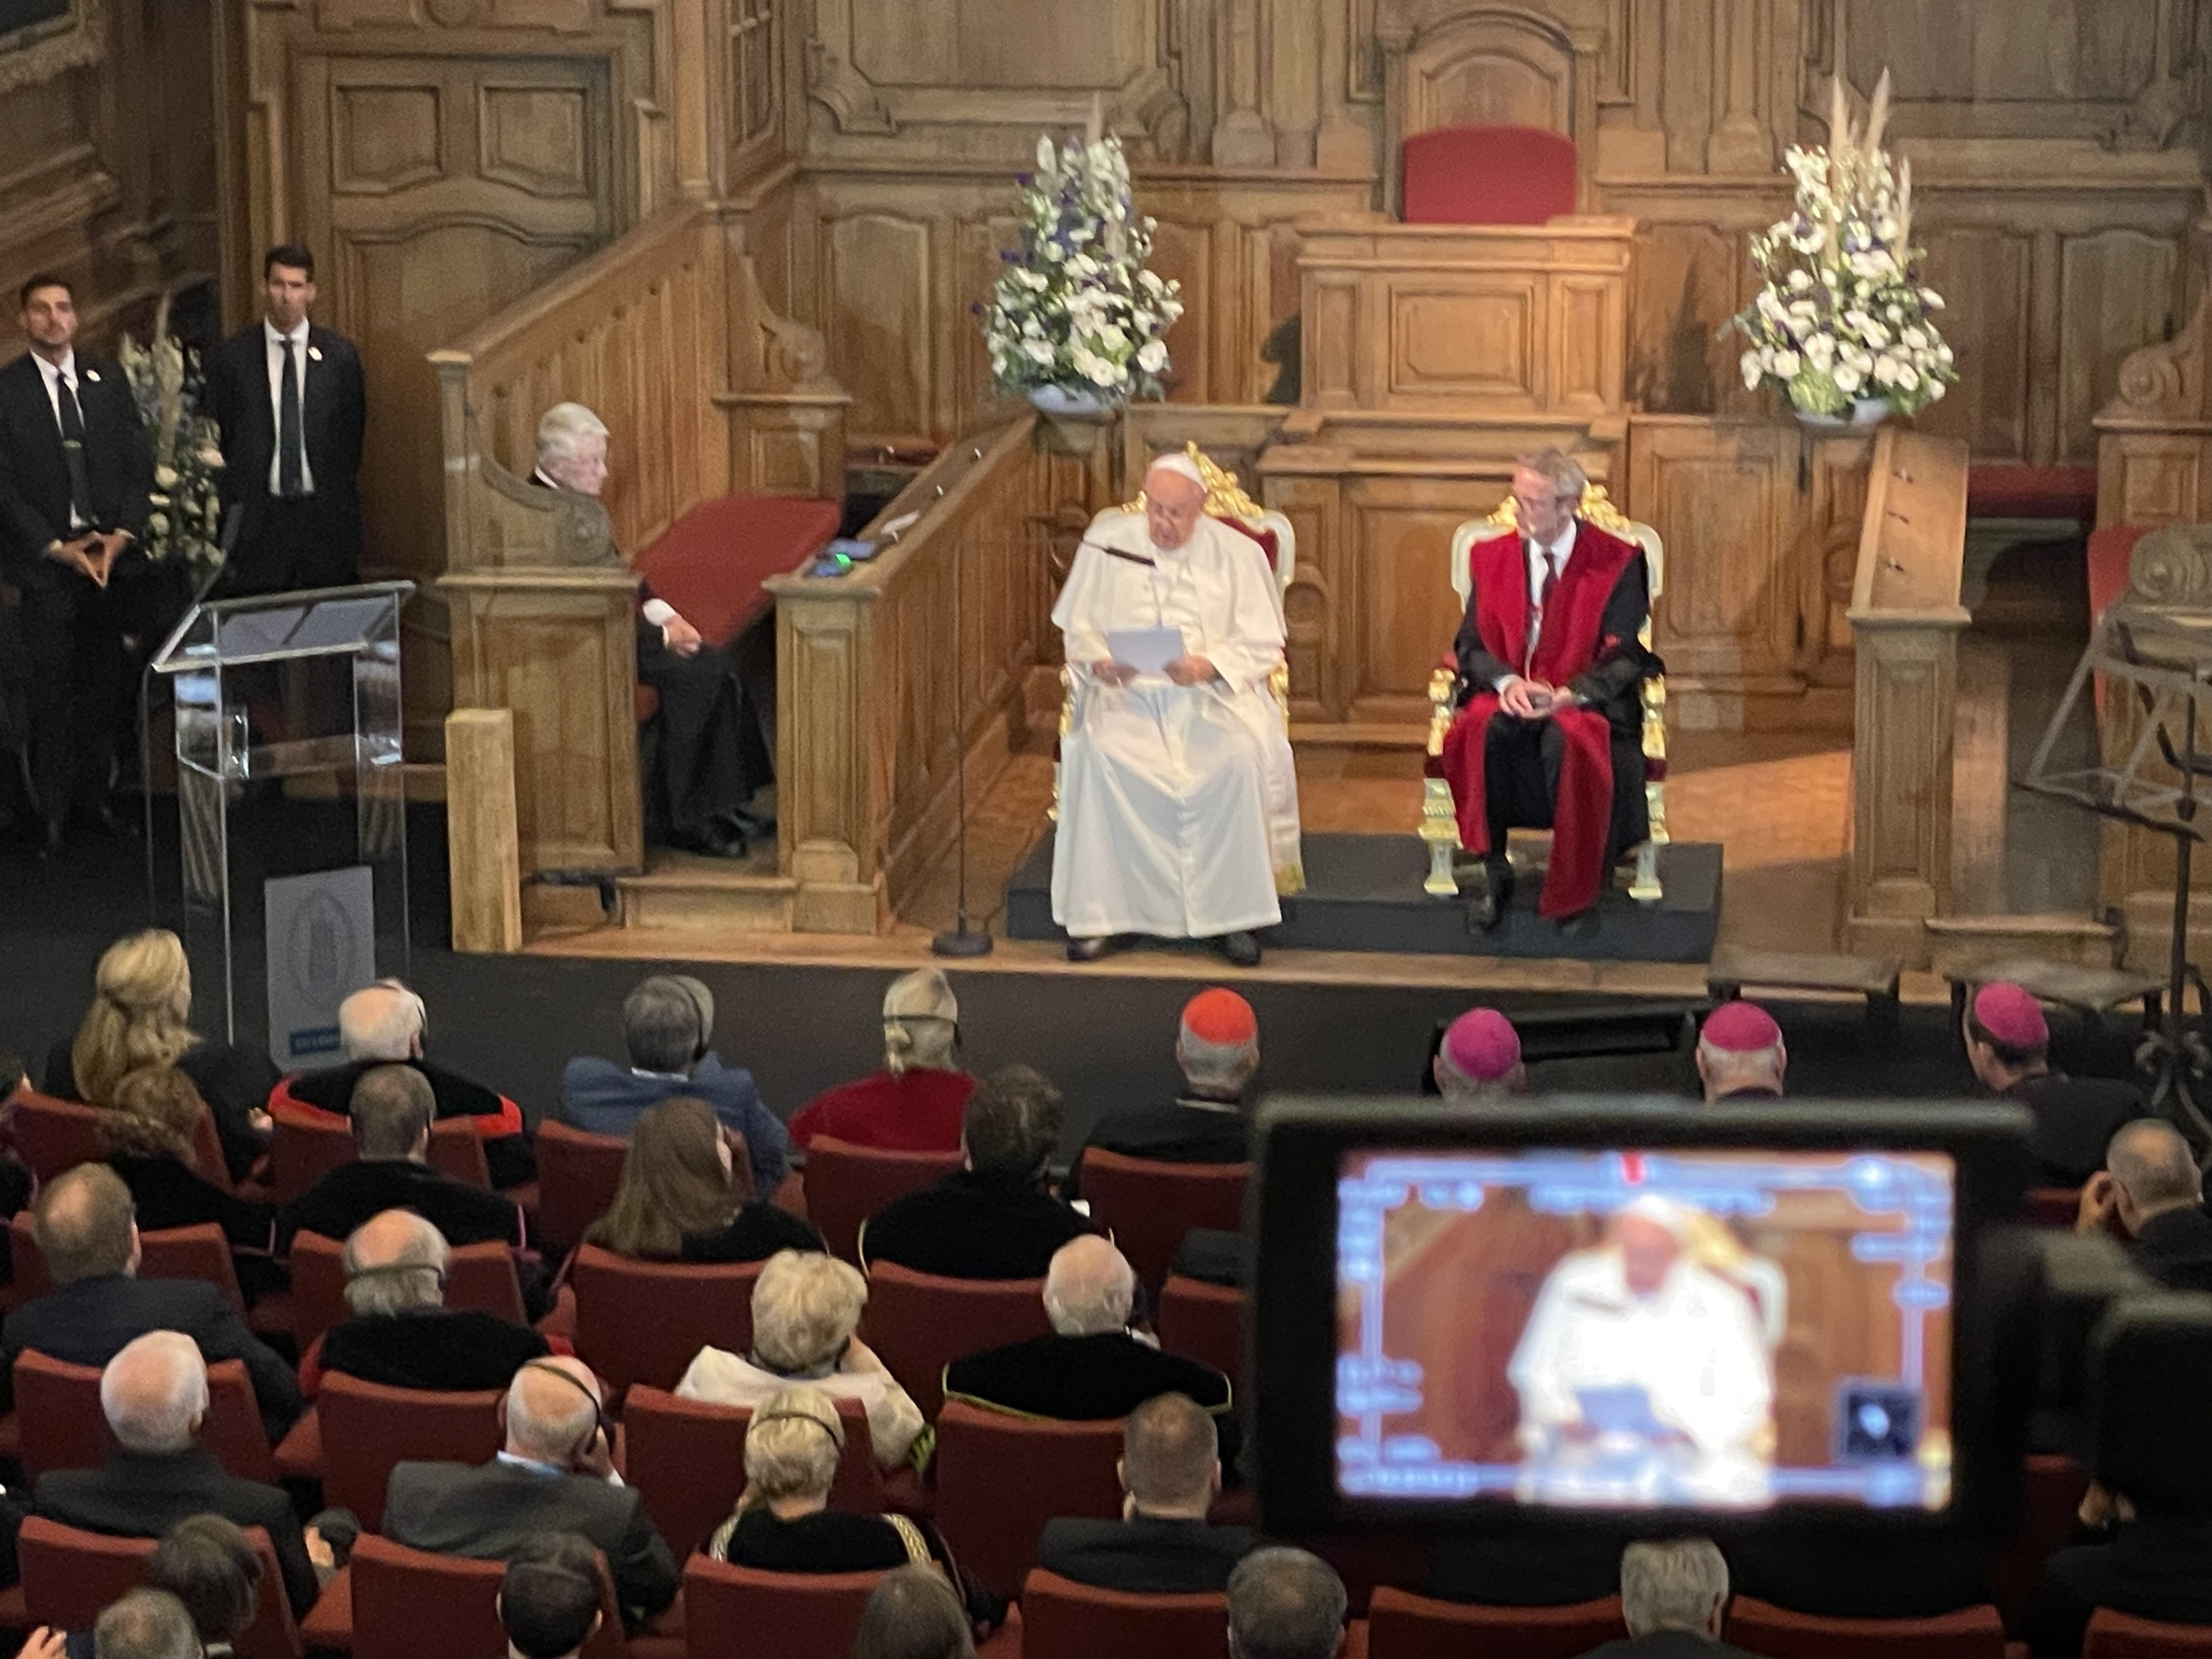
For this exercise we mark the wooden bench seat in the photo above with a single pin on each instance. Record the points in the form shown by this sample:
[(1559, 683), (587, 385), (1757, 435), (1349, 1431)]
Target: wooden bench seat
[(1733, 967), (2091, 992)]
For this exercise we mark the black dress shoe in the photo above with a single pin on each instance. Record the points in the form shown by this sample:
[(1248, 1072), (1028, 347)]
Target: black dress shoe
[(1241, 950), (713, 842), (752, 825), (1487, 904), (1089, 950)]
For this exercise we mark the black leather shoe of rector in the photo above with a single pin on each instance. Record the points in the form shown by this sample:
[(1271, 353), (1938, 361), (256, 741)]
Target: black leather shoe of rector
[(1241, 950)]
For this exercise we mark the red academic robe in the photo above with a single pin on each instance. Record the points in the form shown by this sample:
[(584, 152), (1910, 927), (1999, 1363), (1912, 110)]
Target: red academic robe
[(1588, 643)]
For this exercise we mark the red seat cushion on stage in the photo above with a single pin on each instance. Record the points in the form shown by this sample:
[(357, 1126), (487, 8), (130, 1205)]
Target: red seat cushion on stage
[(2031, 492), (1259, 533), (710, 564), (1487, 176)]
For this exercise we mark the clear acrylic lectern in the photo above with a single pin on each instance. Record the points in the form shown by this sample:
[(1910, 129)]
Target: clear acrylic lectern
[(291, 808)]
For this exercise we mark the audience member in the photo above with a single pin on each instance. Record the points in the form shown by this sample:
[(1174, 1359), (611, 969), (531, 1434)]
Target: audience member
[(402, 1335), (678, 1197), (2151, 1185), (208, 1563), (155, 1395), (2009, 1046), (783, 1521), (1741, 1053), (145, 1624), (806, 1312), (150, 1136), (1674, 1595), (1813, 1566), (84, 1231), (141, 1015), (1285, 1604), (1540, 1560), (386, 1023), (668, 1026), (1479, 1061), (1217, 1049), (549, 1597), (390, 1112), (992, 1217), (914, 1614), (1090, 1367), (915, 1103), (555, 1473), (1171, 1474)]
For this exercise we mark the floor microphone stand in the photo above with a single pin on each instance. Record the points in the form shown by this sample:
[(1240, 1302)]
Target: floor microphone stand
[(961, 940)]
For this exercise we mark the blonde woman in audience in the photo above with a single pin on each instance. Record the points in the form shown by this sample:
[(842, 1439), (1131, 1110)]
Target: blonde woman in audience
[(915, 1103), (141, 1015), (149, 1138), (783, 1521), (679, 1199), (806, 1310)]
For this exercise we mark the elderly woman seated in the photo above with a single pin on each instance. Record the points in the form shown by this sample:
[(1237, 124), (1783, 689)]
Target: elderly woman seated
[(806, 1309), (783, 1521), (679, 1197)]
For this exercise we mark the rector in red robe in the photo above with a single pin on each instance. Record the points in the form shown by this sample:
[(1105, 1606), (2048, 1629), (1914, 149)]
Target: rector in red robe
[(1549, 733)]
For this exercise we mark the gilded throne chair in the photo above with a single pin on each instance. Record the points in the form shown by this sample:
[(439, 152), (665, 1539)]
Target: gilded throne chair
[(1439, 821)]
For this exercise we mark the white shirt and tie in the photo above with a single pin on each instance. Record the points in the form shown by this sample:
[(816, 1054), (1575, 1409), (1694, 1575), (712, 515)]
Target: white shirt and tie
[(54, 376), (276, 342)]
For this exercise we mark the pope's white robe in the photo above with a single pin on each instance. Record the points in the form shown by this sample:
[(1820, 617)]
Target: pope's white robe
[(1178, 805)]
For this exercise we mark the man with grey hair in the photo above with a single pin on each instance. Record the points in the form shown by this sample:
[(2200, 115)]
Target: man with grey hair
[(1674, 1595), (2151, 1185), (402, 1335), (153, 1395), (1092, 1366), (668, 1027), (1163, 1544), (145, 1624), (712, 755), (1549, 733), (1285, 1603), (554, 1474), (1178, 801), (1217, 1052)]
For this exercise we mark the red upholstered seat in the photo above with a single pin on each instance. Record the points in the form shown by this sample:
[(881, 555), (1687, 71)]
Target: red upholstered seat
[(739, 1613), (2120, 1636), (1969, 1633), (200, 1252), (367, 1428), (687, 1460), (846, 1184), (1148, 1205), (643, 1322), (1001, 1478), (1263, 534), (2051, 1206), (1206, 1322), (1487, 176), (710, 564), (69, 1577), (410, 1604), (1402, 1625), (2052, 1485), (577, 1175), (919, 1323), (1997, 491), (481, 1276), (57, 1405), (51, 1135), (1063, 1619)]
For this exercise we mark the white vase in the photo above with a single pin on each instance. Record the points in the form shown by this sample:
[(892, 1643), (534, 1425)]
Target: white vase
[(1079, 403)]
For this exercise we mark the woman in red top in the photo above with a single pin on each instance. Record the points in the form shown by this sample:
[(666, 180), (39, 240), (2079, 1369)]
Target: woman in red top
[(915, 1103)]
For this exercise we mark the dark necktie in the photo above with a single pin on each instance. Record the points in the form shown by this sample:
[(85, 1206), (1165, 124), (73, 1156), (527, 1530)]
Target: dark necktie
[(73, 449), (1543, 601), (291, 457)]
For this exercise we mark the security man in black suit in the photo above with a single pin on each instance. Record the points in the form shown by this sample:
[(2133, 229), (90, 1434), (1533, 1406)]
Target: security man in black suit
[(74, 472), (293, 407)]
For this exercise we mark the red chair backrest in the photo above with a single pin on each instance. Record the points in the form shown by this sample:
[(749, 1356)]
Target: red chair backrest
[(643, 1322), (70, 1577), (577, 1175), (208, 1154), (410, 1605), (305, 1147), (687, 1460), (458, 1149), (367, 1428), (479, 1276), (200, 1252), (2051, 1488), (1205, 1322), (739, 1613), (1487, 176), (1001, 1478), (2051, 1206), (846, 1184), (57, 1405), (53, 1135), (1402, 1625), (1149, 1205), (919, 1323), (1063, 1619), (2121, 1636), (1969, 1633)]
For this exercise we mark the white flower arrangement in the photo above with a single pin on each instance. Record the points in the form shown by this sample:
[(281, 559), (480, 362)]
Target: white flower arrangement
[(1843, 317), (1074, 308), (185, 520)]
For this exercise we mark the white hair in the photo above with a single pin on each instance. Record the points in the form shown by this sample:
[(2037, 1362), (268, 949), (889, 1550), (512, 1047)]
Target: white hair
[(155, 1392), (563, 429), (412, 1276), (1089, 1288), (793, 1443), (380, 1022), (806, 1306), (1676, 1585), (546, 1419)]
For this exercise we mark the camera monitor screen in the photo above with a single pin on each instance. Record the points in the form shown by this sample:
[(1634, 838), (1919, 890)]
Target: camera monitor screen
[(1693, 1328)]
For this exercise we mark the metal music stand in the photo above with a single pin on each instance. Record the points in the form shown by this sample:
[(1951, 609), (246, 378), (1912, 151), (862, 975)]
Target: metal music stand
[(2162, 658)]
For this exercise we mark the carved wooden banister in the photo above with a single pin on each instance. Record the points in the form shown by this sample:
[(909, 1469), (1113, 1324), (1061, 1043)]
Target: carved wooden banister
[(2154, 437)]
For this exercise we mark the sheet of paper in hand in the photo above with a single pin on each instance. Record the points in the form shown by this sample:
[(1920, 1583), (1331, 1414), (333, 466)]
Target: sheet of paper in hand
[(1147, 650)]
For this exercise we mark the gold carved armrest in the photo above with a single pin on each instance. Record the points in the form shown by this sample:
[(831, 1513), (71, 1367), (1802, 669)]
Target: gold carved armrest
[(1441, 685)]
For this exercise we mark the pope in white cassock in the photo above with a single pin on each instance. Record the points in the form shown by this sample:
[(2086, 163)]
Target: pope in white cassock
[(1635, 1346), (1177, 799)]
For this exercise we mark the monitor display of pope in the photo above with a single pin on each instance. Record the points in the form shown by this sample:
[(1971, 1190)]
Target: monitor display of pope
[(1178, 802)]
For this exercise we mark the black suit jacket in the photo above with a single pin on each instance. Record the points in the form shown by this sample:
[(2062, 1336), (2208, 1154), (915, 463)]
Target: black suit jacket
[(2176, 1249), (1088, 1379), (972, 1226), (438, 1350), (485, 1510), (2153, 1568), (88, 1323), (333, 415), (352, 1193), (2075, 1119), (34, 486), (142, 1495), (1144, 1557), (1177, 1132)]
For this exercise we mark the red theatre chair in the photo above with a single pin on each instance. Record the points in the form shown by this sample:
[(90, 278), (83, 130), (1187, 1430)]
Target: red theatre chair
[(70, 1577), (200, 1252), (479, 1276), (57, 1405), (367, 1428), (1001, 1478), (919, 1323), (1403, 1626), (410, 1604), (1487, 176), (1205, 1322), (687, 1459), (53, 1135), (2121, 1636), (1063, 1619), (846, 1184), (458, 1149), (739, 1613), (1149, 1205), (643, 1322), (304, 1148), (1969, 1633), (2052, 1487), (577, 1175)]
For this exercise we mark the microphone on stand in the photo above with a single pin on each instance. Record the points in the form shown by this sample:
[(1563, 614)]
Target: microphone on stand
[(961, 940)]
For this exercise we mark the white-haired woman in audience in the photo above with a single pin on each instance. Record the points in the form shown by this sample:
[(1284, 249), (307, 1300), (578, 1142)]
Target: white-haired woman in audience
[(915, 1103), (141, 1015), (806, 1310)]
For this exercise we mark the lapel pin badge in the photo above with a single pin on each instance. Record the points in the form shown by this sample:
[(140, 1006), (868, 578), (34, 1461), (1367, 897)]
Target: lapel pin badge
[(314, 354), (92, 374)]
